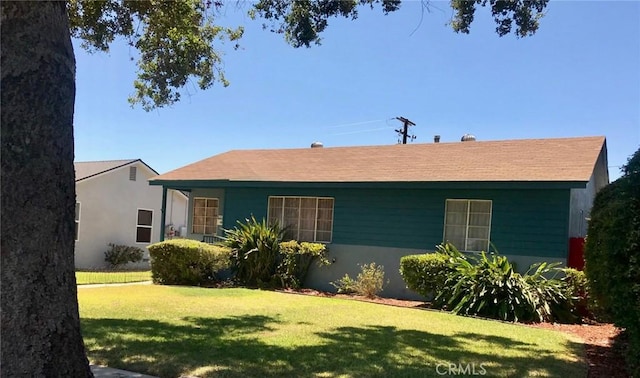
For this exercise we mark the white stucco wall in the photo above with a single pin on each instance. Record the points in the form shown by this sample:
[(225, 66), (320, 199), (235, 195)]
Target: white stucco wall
[(109, 206), (582, 198), (177, 208)]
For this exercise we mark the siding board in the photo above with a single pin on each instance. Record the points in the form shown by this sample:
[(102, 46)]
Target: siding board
[(526, 222)]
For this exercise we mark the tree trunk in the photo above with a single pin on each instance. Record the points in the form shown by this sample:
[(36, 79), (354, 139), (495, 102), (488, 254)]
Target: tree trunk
[(40, 322)]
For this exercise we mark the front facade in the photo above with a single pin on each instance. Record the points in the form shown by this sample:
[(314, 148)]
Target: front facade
[(115, 204), (386, 212)]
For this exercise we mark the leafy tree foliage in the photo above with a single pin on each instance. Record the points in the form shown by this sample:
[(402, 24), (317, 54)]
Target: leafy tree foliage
[(181, 40), (525, 14), (175, 40), (612, 254), (301, 22)]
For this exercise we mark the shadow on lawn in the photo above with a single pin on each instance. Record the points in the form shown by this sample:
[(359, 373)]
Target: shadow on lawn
[(230, 347)]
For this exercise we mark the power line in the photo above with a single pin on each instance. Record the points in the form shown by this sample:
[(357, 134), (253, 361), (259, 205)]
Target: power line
[(404, 132), (355, 123), (363, 131)]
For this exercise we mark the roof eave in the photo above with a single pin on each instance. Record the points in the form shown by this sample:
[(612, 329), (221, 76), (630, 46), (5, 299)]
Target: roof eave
[(195, 184)]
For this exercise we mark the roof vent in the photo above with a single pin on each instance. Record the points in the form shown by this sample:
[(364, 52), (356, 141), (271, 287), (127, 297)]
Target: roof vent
[(436, 139), (468, 138), (316, 145)]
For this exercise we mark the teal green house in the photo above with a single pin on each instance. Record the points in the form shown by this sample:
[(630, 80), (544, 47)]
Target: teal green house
[(527, 198)]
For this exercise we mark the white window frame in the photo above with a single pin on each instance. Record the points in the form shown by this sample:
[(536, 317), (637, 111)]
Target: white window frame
[(315, 226), (135, 237), (216, 217), (77, 220), (466, 234)]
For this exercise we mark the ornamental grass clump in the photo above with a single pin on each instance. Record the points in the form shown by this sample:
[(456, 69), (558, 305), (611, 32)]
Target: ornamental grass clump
[(487, 285), (261, 259), (255, 247)]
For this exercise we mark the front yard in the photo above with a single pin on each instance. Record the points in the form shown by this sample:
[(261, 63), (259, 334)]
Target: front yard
[(173, 331)]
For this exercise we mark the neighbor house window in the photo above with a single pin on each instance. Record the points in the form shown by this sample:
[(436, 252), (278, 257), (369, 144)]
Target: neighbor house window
[(144, 226), (303, 218), (205, 216), (467, 224), (77, 220), (132, 173)]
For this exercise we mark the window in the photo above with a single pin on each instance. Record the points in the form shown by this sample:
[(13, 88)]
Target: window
[(132, 173), (303, 218), (77, 220), (205, 216), (144, 226), (467, 224)]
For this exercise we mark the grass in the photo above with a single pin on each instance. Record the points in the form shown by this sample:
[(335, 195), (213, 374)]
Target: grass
[(173, 331), (98, 277)]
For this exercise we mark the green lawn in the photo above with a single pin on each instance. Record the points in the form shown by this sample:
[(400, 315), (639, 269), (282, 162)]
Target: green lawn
[(85, 278), (172, 331)]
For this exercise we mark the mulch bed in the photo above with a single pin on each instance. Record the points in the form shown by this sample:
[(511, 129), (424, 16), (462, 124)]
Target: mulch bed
[(603, 357)]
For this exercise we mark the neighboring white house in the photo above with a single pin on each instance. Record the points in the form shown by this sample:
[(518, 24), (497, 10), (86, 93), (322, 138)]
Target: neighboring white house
[(115, 204)]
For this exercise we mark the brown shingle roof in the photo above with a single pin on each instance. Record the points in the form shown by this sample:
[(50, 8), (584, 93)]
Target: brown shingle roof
[(561, 159)]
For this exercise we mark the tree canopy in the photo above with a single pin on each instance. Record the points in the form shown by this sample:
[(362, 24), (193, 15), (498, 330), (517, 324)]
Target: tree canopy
[(180, 40)]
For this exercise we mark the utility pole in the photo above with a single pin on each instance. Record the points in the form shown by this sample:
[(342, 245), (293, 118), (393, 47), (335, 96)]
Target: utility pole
[(405, 130)]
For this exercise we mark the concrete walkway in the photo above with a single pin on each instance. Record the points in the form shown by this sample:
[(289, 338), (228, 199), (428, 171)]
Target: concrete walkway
[(116, 284), (107, 372)]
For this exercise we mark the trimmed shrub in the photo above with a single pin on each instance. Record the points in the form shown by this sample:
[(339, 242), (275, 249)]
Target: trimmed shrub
[(295, 261), (369, 283), (187, 262), (119, 255), (425, 274), (612, 255), (255, 249)]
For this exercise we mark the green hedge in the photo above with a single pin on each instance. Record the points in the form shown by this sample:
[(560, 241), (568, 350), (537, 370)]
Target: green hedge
[(187, 262), (425, 274), (612, 255)]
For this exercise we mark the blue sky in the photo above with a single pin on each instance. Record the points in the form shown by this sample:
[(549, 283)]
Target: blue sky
[(578, 76)]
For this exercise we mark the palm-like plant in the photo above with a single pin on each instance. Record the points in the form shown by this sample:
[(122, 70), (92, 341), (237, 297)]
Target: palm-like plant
[(254, 251)]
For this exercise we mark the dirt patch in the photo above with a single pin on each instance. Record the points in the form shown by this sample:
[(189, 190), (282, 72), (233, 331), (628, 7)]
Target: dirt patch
[(603, 358)]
